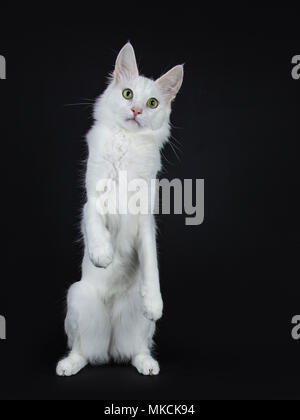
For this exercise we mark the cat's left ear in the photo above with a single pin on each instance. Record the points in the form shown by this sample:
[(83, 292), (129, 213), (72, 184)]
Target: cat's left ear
[(126, 66), (171, 82)]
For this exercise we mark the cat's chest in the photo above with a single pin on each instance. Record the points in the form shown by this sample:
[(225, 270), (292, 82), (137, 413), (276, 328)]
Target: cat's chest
[(127, 152), (119, 149)]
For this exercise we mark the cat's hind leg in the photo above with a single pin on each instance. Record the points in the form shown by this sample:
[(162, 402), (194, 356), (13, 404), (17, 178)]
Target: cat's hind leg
[(87, 327), (132, 336)]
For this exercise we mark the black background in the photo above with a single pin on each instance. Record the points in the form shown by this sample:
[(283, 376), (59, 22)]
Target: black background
[(231, 286)]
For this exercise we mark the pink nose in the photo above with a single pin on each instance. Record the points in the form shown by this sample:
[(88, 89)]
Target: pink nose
[(136, 111)]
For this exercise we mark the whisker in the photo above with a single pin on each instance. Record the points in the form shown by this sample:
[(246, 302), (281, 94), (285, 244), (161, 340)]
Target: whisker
[(176, 154), (175, 139), (80, 104), (176, 146), (87, 101), (175, 127), (170, 163)]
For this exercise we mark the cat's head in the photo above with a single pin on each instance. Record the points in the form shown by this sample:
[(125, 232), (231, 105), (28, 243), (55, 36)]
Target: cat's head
[(134, 102)]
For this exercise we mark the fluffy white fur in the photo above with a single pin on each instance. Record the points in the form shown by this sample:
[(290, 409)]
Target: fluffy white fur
[(112, 311)]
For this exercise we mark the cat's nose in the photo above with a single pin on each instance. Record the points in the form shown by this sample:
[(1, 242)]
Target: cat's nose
[(136, 111)]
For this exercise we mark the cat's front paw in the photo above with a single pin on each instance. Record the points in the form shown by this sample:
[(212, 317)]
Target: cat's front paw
[(102, 256), (153, 307)]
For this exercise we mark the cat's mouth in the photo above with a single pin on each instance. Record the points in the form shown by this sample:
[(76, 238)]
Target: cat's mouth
[(134, 121)]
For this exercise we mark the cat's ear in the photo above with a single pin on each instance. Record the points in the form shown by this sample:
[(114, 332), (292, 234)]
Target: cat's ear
[(171, 82), (126, 66)]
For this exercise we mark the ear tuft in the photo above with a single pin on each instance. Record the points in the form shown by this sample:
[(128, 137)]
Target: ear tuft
[(126, 66), (171, 82)]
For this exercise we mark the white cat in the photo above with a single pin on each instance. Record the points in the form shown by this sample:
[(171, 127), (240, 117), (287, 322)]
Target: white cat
[(112, 311)]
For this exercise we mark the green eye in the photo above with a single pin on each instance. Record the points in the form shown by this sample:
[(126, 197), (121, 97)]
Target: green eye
[(152, 103), (128, 94)]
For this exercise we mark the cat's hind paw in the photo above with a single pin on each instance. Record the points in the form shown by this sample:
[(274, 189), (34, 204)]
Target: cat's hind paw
[(146, 365)]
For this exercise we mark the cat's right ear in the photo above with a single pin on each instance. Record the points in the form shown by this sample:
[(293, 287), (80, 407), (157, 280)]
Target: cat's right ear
[(171, 82), (126, 66)]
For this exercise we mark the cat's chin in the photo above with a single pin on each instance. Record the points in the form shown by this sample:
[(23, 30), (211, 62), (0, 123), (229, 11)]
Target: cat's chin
[(132, 124)]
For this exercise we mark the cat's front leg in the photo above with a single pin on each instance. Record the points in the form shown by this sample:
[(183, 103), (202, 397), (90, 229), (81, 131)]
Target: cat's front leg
[(153, 304), (150, 287), (98, 237)]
